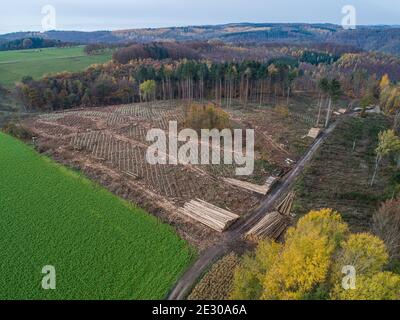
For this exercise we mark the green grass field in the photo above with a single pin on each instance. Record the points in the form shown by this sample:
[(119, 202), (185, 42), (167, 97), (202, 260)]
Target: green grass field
[(36, 63), (101, 246)]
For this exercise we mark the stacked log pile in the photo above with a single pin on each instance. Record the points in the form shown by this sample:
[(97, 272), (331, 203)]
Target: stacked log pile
[(271, 226), (285, 207), (209, 215), (274, 224), (264, 189), (314, 133)]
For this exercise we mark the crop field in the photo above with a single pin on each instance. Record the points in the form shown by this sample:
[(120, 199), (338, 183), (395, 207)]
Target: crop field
[(101, 246), (109, 145), (217, 282), (37, 62)]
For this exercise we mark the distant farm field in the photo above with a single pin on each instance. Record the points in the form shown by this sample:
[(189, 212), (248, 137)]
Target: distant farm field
[(37, 62), (101, 246)]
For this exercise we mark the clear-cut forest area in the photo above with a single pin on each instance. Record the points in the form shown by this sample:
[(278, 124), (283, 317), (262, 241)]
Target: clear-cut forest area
[(76, 110)]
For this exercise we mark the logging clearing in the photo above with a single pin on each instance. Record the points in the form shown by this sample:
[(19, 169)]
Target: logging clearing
[(109, 144)]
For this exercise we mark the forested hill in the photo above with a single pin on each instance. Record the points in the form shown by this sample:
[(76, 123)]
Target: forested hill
[(373, 38)]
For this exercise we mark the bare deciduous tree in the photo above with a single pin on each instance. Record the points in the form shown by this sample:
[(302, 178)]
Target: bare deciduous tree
[(386, 225)]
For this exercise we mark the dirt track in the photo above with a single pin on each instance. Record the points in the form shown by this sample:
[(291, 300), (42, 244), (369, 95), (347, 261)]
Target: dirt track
[(188, 280)]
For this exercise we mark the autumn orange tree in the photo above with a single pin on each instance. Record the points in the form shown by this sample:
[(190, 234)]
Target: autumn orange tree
[(310, 263), (208, 116)]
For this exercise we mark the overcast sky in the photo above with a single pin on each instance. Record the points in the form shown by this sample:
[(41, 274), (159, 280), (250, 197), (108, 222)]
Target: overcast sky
[(22, 15)]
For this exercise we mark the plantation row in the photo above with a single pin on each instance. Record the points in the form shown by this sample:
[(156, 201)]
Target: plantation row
[(53, 129), (159, 110), (178, 182), (135, 132), (75, 118), (310, 120), (131, 159), (111, 119), (158, 116)]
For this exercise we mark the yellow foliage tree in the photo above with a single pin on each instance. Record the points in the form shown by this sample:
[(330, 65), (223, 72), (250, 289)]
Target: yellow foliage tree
[(309, 264), (363, 251), (148, 89), (302, 266), (304, 263), (380, 286), (385, 82), (389, 143), (326, 222), (367, 253), (390, 98), (249, 275)]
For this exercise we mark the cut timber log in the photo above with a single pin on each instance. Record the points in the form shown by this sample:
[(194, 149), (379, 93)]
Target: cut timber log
[(264, 189), (271, 226), (214, 217), (271, 181), (275, 223), (128, 173), (314, 133), (285, 207)]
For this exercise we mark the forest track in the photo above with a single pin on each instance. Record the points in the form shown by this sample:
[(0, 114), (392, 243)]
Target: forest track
[(199, 267)]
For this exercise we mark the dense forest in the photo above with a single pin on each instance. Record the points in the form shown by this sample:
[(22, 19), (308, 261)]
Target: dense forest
[(157, 51), (30, 43), (115, 83), (209, 71)]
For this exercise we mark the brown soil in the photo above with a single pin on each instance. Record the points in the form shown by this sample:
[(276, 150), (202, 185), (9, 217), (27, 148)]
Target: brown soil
[(106, 145)]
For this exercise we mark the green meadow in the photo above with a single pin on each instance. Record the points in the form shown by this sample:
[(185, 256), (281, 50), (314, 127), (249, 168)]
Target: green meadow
[(37, 62), (101, 246)]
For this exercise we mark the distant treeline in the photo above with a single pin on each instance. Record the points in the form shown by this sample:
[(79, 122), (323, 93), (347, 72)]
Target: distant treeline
[(316, 58), (30, 43), (369, 38), (99, 48), (193, 51), (157, 51), (369, 63)]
